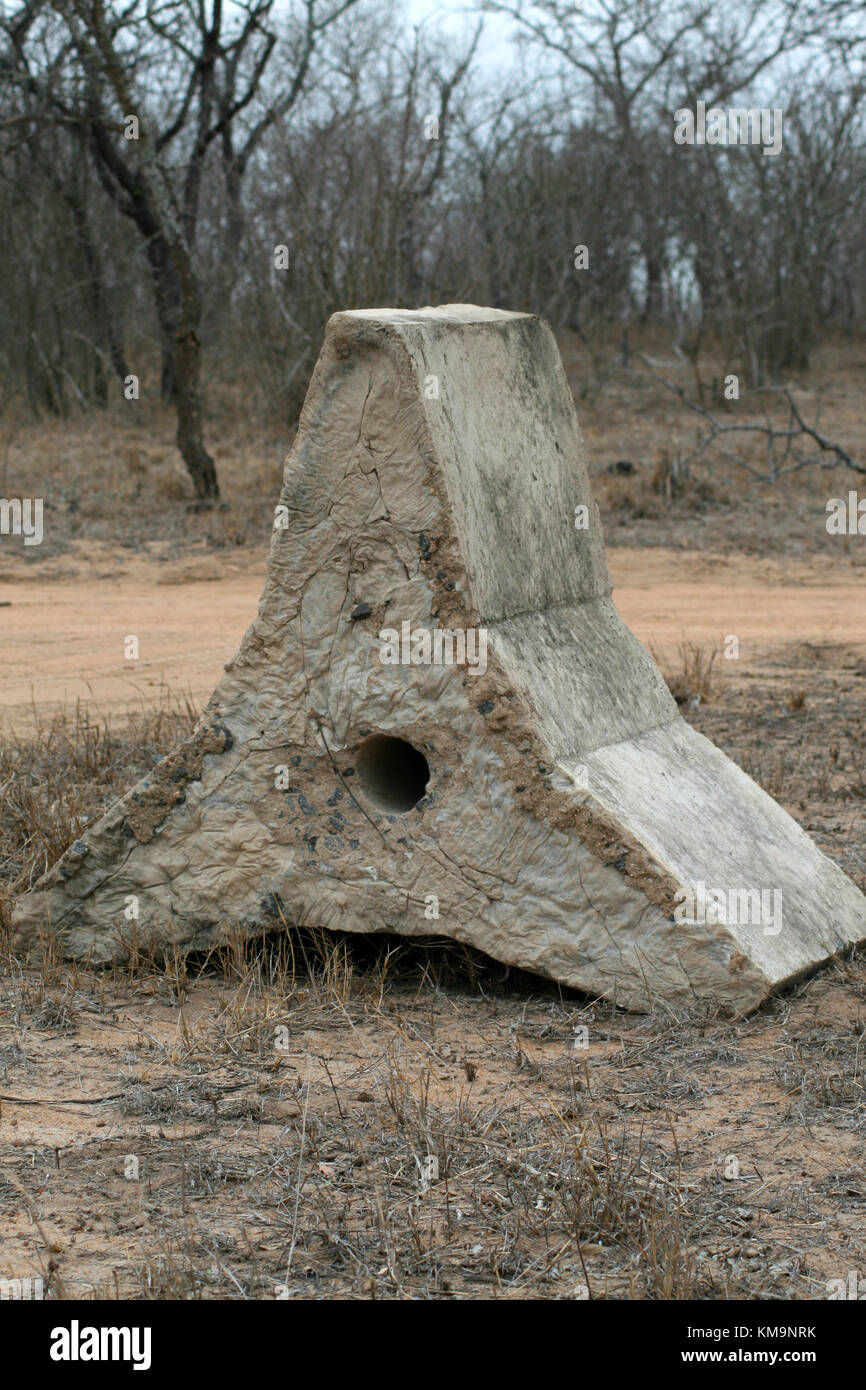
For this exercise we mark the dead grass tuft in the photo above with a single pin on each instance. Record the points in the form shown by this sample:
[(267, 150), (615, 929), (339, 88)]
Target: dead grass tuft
[(62, 777), (693, 680)]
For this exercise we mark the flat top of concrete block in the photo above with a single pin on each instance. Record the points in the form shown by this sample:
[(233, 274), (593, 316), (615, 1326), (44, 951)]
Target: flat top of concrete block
[(445, 313)]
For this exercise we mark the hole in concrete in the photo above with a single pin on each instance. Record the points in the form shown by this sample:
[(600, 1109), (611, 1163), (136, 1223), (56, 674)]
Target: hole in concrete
[(393, 773)]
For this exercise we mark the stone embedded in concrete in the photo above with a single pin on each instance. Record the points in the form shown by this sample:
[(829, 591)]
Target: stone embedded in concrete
[(542, 801)]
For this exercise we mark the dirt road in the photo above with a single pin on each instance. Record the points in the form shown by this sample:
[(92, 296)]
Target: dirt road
[(63, 635)]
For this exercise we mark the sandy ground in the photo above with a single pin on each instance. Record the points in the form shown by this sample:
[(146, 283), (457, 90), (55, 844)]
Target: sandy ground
[(63, 634), (156, 1145)]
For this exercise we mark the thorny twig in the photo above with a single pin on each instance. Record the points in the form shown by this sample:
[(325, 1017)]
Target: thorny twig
[(776, 437)]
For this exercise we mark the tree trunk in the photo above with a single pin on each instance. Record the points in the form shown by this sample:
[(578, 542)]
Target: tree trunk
[(653, 304), (103, 321), (190, 439), (169, 308)]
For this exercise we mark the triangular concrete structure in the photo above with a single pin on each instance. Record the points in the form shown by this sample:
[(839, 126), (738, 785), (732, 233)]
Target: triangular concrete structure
[(552, 809)]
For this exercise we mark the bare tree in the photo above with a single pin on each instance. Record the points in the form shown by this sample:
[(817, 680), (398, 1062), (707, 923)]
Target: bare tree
[(366, 189), (150, 151), (634, 61)]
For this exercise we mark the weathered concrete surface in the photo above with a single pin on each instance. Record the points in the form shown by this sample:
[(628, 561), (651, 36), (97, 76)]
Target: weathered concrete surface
[(569, 809)]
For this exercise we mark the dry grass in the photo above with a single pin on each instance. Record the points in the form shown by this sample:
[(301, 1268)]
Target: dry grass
[(58, 780), (96, 471), (304, 1169), (672, 496), (693, 680)]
